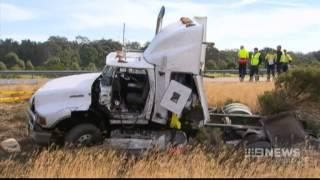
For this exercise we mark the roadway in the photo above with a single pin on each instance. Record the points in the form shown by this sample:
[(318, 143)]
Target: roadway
[(232, 79)]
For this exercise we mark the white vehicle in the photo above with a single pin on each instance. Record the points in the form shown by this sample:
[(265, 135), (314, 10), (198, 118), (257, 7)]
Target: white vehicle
[(127, 98), (131, 103)]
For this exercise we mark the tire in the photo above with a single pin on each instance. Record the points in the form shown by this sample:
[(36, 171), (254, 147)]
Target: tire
[(180, 138), (83, 135)]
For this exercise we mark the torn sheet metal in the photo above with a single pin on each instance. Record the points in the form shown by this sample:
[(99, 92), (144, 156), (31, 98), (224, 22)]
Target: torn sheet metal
[(284, 129)]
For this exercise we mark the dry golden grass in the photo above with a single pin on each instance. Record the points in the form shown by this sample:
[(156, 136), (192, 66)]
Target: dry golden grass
[(13, 120), (245, 92), (13, 115), (217, 92), (102, 162)]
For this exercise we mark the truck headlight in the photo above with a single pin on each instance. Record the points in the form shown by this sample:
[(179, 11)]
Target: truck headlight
[(41, 120)]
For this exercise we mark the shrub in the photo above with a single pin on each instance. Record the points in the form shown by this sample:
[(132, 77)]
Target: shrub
[(75, 66), (54, 63), (91, 67), (272, 102), (20, 63), (293, 89), (29, 65), (16, 67), (3, 66), (12, 61), (301, 85)]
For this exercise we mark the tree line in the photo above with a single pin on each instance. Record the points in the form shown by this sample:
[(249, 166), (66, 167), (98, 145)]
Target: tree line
[(58, 53)]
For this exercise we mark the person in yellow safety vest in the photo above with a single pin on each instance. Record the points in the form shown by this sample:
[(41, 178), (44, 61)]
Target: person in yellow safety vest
[(285, 60), (270, 61), (243, 58), (254, 64)]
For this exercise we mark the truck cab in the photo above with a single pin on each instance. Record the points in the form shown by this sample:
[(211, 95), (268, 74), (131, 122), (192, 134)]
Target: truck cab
[(134, 98), (126, 90)]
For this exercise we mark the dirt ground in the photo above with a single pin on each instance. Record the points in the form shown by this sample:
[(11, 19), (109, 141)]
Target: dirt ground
[(14, 124)]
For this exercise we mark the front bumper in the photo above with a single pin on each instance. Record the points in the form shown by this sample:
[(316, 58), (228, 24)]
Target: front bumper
[(40, 135)]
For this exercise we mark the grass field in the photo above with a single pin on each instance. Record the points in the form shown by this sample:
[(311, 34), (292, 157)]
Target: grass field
[(219, 92), (104, 162)]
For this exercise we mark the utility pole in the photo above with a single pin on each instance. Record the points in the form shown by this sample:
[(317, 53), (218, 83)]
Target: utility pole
[(123, 32)]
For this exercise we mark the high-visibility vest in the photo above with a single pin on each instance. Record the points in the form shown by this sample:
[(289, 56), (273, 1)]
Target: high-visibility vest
[(285, 58), (243, 54), (255, 59), (270, 58)]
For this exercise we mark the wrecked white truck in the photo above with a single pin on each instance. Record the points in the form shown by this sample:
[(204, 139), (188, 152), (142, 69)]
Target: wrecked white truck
[(133, 97), (133, 101)]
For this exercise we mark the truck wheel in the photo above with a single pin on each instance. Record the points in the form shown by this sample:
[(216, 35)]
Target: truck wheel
[(83, 135)]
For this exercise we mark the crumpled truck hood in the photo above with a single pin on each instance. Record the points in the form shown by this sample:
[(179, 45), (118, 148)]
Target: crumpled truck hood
[(58, 97)]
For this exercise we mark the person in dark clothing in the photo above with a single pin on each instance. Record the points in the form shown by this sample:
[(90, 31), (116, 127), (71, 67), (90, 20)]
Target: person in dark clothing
[(278, 58)]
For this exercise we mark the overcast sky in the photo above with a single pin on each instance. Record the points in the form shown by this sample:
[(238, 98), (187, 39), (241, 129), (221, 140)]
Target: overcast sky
[(295, 24)]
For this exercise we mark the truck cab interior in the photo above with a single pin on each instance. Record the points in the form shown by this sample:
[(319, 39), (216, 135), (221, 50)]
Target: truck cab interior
[(130, 89)]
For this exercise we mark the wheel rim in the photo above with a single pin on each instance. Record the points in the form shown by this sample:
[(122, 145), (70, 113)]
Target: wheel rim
[(84, 139)]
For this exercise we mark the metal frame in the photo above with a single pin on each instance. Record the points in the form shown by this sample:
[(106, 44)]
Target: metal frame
[(229, 111)]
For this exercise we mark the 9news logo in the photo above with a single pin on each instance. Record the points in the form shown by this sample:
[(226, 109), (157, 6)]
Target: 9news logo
[(272, 152)]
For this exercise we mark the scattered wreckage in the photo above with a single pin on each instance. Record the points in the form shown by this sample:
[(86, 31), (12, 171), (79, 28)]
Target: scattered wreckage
[(138, 95)]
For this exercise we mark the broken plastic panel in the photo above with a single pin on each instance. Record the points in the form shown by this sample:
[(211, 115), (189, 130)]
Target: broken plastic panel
[(175, 97)]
